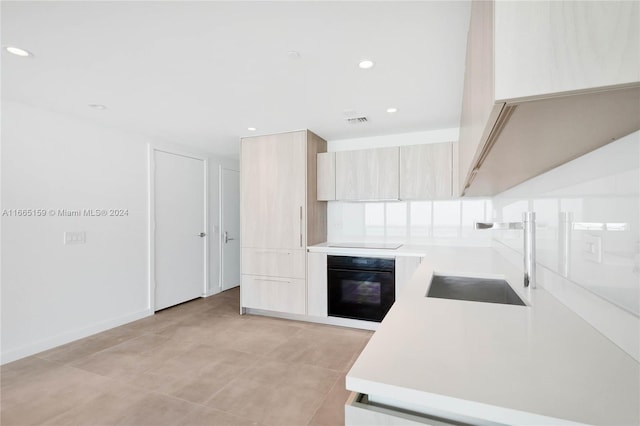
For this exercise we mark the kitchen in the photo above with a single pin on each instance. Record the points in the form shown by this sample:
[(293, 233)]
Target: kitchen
[(541, 125)]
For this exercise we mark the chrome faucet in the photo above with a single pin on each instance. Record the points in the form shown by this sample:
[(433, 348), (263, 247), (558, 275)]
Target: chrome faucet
[(529, 225)]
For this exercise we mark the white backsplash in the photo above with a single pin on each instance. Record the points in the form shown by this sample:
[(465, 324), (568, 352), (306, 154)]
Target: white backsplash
[(445, 222), (588, 236)]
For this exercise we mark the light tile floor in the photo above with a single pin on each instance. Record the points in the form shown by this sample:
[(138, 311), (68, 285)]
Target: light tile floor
[(199, 363)]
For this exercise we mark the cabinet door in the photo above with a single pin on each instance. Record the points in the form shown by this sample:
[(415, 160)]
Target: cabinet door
[(286, 295), (317, 284), (425, 171), (326, 163), (369, 174), (274, 263), (544, 47), (479, 113), (273, 182), (405, 268)]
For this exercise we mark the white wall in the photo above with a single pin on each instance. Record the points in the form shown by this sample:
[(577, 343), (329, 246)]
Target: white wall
[(54, 293), (593, 264)]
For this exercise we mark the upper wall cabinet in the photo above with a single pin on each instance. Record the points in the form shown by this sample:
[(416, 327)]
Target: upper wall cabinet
[(425, 171), (368, 174), (326, 176), (545, 83)]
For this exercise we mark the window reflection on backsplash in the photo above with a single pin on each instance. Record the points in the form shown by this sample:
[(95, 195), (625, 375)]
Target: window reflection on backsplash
[(446, 222), (587, 221)]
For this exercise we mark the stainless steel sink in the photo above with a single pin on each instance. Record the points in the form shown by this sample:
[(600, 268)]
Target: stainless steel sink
[(489, 290)]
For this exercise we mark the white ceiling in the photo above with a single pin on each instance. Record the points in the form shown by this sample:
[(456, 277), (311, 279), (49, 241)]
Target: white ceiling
[(200, 73)]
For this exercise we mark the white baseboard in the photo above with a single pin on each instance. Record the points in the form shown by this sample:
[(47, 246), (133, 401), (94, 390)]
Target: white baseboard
[(61, 339)]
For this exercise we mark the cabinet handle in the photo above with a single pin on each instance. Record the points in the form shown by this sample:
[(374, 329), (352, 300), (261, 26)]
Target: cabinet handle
[(274, 281), (300, 226)]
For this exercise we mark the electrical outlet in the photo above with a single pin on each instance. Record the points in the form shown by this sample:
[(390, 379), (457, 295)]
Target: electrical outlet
[(75, 237), (592, 248)]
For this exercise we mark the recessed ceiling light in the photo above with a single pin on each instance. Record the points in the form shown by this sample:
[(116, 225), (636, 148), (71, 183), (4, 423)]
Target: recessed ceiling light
[(17, 51), (251, 129), (392, 110), (292, 54), (97, 106), (366, 64)]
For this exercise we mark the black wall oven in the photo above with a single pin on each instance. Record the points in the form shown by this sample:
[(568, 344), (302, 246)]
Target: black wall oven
[(360, 287)]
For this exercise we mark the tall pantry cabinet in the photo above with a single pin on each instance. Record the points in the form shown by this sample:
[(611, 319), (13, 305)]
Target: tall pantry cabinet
[(279, 217)]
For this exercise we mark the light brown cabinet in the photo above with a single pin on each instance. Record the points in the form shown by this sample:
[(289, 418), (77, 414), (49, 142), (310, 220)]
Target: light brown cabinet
[(279, 216), (326, 176), (414, 172), (367, 174), (274, 294), (273, 191), (426, 171), (545, 83)]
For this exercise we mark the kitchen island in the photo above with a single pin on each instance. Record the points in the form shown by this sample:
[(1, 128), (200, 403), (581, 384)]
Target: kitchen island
[(488, 363)]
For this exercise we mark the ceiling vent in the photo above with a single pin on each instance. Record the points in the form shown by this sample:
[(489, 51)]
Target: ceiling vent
[(357, 120)]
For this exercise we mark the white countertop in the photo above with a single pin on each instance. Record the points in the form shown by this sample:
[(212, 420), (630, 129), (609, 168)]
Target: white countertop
[(502, 363), (404, 250)]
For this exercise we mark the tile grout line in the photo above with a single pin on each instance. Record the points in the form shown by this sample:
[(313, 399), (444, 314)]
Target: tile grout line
[(323, 399)]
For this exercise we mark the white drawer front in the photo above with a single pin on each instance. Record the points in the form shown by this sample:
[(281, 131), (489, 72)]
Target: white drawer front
[(274, 294), (274, 263)]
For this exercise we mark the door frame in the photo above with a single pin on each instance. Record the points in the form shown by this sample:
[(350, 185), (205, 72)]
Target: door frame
[(220, 233), (151, 229)]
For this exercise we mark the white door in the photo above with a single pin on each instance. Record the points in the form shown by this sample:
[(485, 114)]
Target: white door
[(179, 212), (229, 228)]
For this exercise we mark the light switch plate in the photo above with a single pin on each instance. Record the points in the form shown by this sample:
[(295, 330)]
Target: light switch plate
[(75, 237)]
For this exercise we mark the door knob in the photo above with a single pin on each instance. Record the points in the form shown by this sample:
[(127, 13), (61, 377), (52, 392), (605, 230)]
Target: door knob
[(226, 237), (202, 235)]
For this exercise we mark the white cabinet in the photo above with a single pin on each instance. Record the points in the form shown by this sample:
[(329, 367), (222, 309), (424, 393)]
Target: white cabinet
[(279, 216), (368, 174), (358, 412), (545, 83), (326, 176), (426, 171), (317, 284), (405, 267)]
